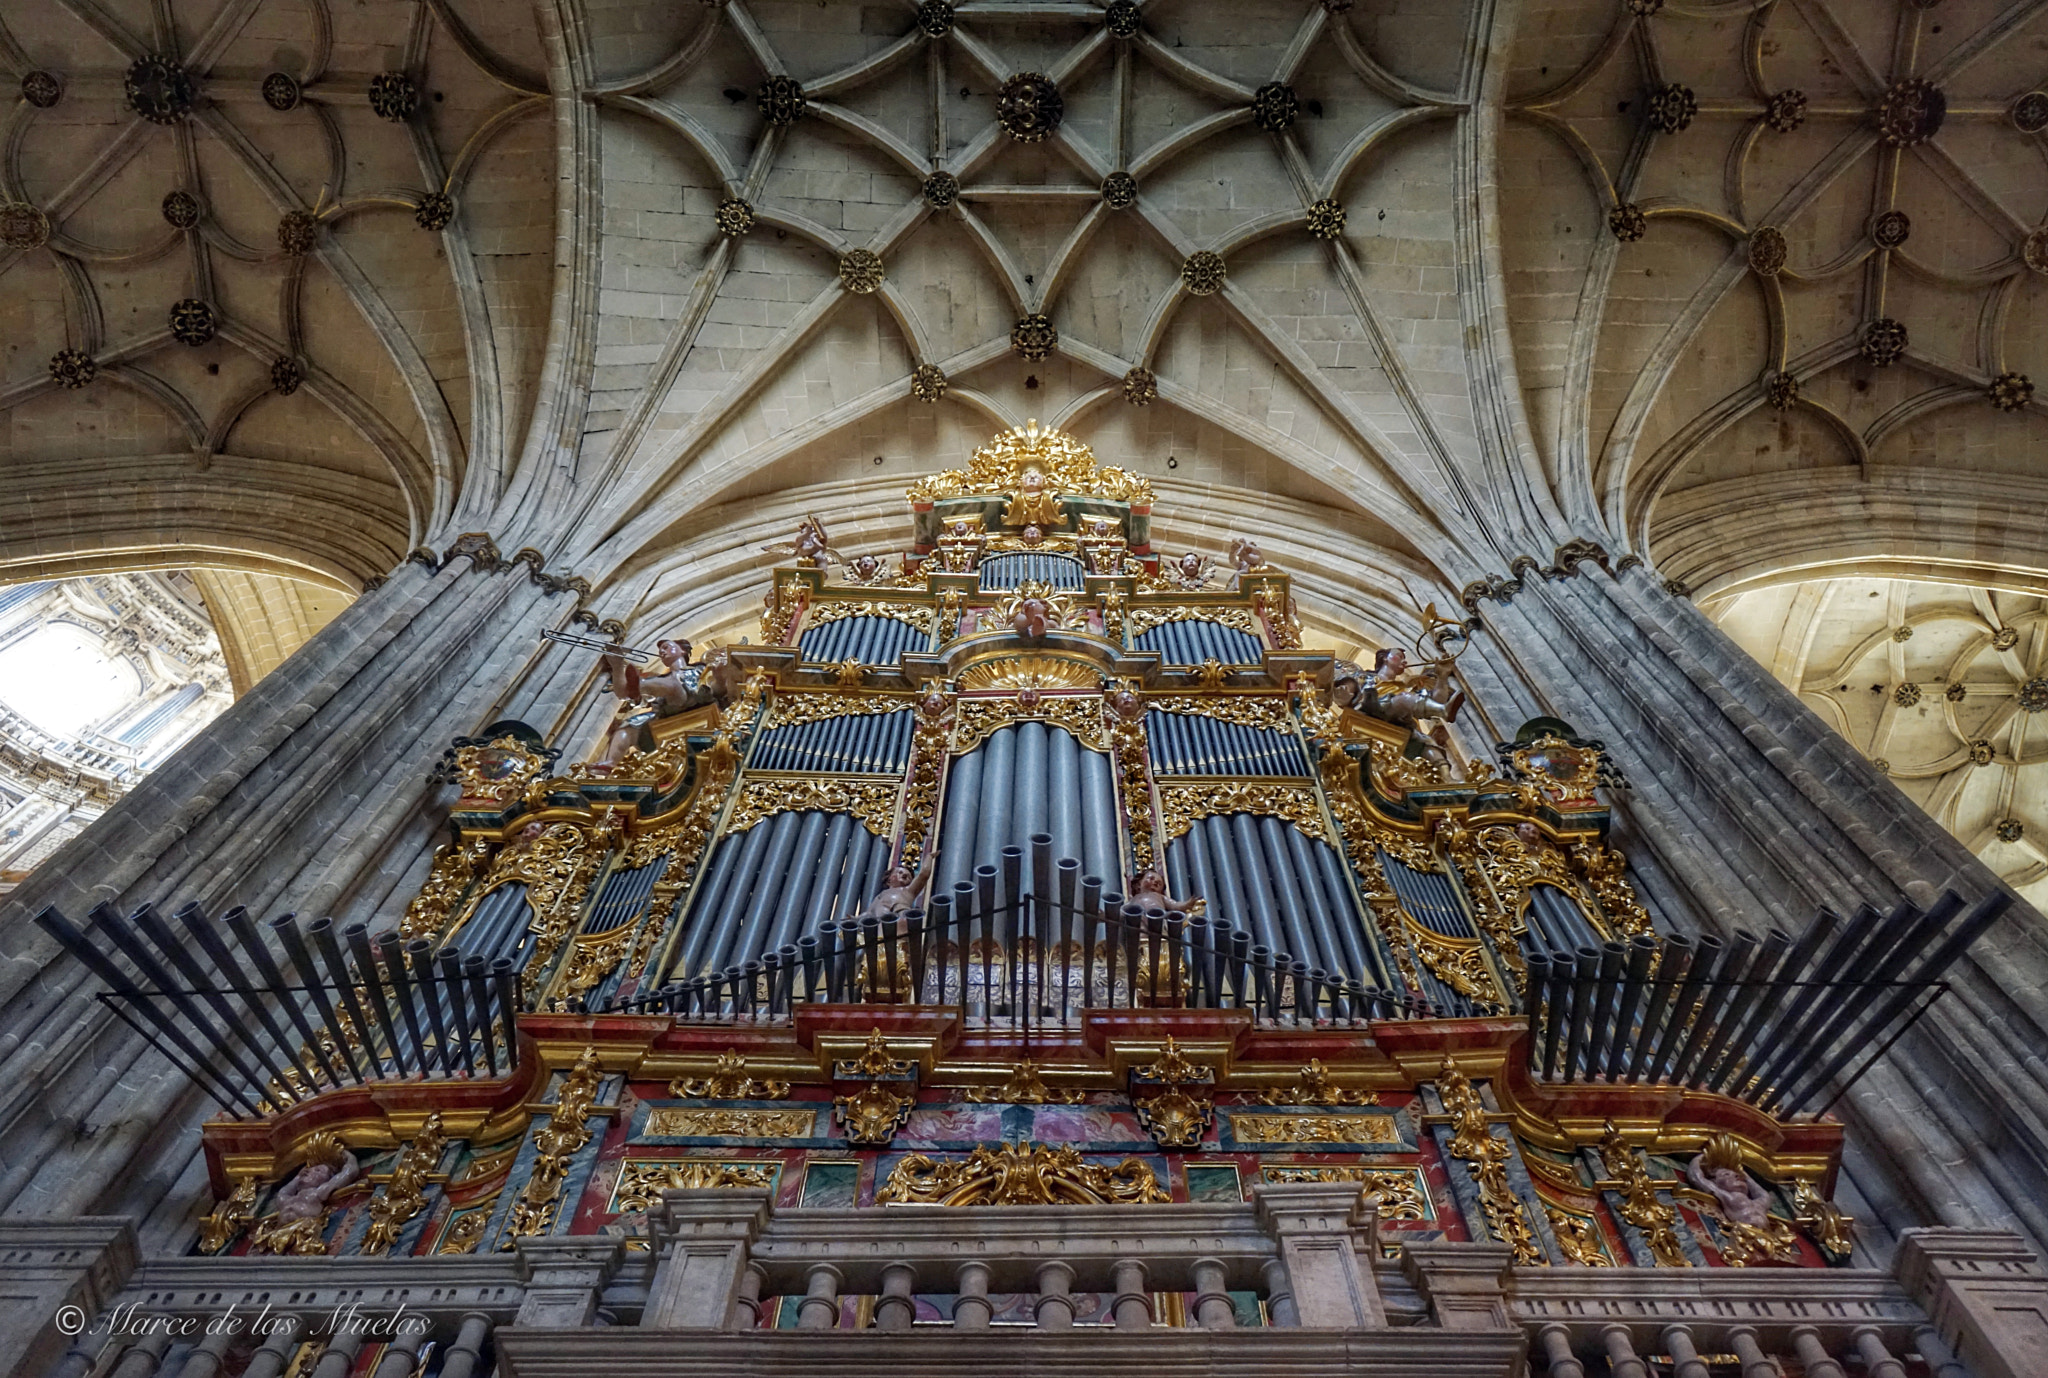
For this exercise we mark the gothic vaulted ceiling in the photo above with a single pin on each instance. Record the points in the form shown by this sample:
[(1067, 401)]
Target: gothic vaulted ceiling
[(1751, 289)]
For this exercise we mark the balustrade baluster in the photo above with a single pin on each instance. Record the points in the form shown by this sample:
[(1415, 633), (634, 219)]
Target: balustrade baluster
[(1055, 1306), (1878, 1361), (1557, 1351), (1622, 1359), (1213, 1310), (463, 1356), (1813, 1354), (819, 1310), (1941, 1360), (746, 1302), (1755, 1363), (971, 1306), (896, 1309), (1685, 1355), (277, 1348), (400, 1355), (338, 1360), (1133, 1305), (1279, 1293), (141, 1360)]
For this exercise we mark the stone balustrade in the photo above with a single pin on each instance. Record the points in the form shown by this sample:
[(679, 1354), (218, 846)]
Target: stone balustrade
[(689, 1299)]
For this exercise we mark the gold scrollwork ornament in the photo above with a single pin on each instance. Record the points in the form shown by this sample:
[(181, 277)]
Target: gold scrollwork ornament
[(872, 1115), (230, 1217), (729, 1080), (405, 1195), (1640, 1205), (1014, 1175), (567, 1132), (1473, 1142)]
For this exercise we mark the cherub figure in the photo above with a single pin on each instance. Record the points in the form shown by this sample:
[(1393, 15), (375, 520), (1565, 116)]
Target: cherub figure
[(1033, 504), (1151, 893), (1245, 556), (1191, 571), (1032, 618), (678, 688), (899, 896), (809, 544), (866, 569), (1393, 695), (1718, 1172), (301, 1203)]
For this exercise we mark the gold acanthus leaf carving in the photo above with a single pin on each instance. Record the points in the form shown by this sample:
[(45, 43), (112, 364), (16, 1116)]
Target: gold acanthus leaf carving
[(1030, 672), (1128, 742), (795, 707), (591, 959), (642, 1181), (825, 613), (929, 744), (229, 1218), (454, 867), (728, 1081), (1024, 1087), (1397, 1191), (1462, 967), (1066, 463), (1474, 1143), (1173, 1118), (873, 804), (1312, 1087), (1184, 805), (1606, 870), (1578, 1238), (1014, 1175), (1268, 711), (405, 1195), (1640, 1205), (1175, 1067), (466, 1233), (1825, 1223), (1313, 1129), (872, 1115), (1144, 617), (690, 1122), (567, 1132), (1080, 714)]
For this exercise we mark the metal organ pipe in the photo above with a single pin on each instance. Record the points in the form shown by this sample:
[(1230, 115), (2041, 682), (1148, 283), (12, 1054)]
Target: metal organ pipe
[(799, 881), (358, 936), (244, 929), (742, 938), (957, 827), (392, 950), (53, 922), (287, 929), (1671, 969), (1642, 951), (1742, 1005), (154, 929), (420, 952), (712, 921), (458, 1006), (208, 937), (1792, 1024), (1704, 958)]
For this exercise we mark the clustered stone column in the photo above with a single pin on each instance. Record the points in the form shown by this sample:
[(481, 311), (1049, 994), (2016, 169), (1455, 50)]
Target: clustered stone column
[(311, 793), (1745, 809)]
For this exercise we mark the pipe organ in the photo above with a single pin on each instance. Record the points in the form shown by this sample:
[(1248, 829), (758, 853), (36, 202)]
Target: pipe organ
[(1032, 842)]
